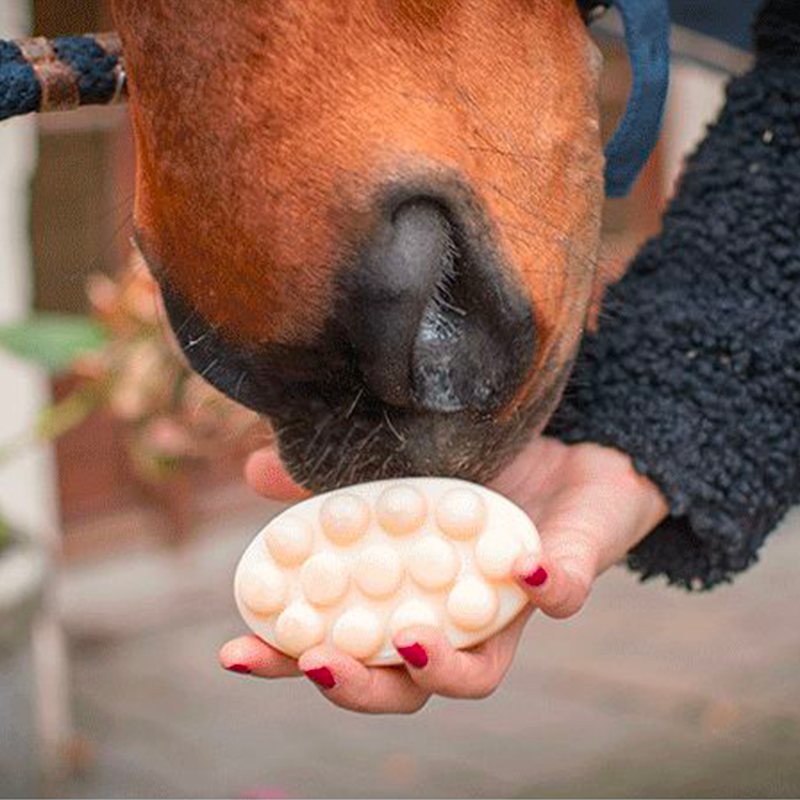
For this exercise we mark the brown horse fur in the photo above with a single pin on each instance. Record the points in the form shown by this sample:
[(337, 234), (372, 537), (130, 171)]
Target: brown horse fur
[(264, 129)]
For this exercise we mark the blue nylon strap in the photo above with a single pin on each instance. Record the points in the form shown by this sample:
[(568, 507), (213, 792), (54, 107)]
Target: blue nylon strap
[(647, 31)]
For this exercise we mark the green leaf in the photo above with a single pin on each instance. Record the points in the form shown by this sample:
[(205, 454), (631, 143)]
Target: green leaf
[(53, 341), (5, 532), (62, 417)]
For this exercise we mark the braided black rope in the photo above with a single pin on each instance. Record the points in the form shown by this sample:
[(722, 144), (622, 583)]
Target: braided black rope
[(60, 74)]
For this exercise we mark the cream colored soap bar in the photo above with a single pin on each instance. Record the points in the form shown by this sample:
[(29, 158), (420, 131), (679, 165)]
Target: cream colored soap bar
[(355, 566)]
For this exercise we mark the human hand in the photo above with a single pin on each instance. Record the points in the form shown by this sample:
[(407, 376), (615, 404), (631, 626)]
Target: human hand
[(590, 508)]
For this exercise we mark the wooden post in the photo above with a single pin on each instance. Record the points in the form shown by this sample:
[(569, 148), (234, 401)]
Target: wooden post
[(27, 491)]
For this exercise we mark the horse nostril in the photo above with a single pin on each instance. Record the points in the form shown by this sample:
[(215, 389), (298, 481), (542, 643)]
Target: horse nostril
[(434, 321), (387, 292)]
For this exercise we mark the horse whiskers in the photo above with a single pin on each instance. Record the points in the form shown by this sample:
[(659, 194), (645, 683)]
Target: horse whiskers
[(391, 427), (352, 408)]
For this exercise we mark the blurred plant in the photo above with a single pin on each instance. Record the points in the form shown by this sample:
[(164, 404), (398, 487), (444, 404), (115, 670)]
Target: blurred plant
[(127, 363), (5, 533)]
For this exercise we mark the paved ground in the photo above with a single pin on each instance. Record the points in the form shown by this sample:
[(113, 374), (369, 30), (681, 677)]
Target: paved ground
[(649, 693)]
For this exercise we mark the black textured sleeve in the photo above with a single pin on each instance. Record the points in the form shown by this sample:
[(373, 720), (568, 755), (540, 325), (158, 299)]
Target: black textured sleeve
[(695, 370)]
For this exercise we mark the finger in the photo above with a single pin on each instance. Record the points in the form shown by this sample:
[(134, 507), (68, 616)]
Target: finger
[(265, 473), (438, 668), (558, 582), (367, 690), (248, 655)]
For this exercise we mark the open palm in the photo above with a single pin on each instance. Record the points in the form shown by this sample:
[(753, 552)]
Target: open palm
[(590, 507)]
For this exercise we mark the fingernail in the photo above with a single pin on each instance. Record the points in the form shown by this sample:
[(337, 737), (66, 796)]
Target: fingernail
[(240, 668), (322, 677), (538, 578), (415, 655)]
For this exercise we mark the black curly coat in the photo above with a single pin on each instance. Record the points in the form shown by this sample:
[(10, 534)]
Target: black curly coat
[(695, 371)]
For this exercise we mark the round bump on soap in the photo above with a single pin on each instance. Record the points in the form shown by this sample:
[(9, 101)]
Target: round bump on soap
[(263, 589), (378, 571), (401, 510), (345, 518), (495, 554), (433, 563), (461, 513), (472, 604), (298, 629), (358, 632), (324, 579), (289, 540), (412, 613)]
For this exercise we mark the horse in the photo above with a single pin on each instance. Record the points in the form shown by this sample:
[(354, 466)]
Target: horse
[(375, 222)]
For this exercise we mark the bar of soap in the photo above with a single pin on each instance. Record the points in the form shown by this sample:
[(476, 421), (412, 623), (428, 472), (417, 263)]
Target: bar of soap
[(354, 567)]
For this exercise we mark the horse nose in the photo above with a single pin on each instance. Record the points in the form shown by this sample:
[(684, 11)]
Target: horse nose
[(435, 321)]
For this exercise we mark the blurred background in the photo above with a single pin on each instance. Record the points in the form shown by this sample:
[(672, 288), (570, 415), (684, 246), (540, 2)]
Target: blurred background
[(123, 513)]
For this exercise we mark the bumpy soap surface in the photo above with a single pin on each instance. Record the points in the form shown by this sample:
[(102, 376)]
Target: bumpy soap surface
[(355, 566)]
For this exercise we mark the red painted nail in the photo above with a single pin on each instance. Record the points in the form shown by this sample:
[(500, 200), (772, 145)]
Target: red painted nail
[(322, 677), (415, 655), (538, 578), (240, 668)]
